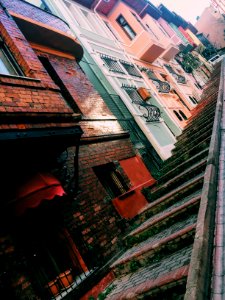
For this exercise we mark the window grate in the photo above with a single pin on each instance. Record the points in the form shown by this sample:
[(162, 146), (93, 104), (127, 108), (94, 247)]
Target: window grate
[(55, 264), (162, 86), (179, 78), (130, 68), (112, 64)]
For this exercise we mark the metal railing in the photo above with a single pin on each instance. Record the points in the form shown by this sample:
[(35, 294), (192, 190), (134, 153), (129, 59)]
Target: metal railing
[(179, 78), (162, 86), (152, 112)]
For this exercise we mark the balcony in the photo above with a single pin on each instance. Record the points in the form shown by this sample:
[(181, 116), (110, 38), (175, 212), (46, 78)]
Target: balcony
[(179, 78), (170, 52), (162, 86), (152, 113), (144, 47), (42, 27)]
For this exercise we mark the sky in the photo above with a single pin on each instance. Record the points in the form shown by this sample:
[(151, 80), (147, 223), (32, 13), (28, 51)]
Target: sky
[(188, 9)]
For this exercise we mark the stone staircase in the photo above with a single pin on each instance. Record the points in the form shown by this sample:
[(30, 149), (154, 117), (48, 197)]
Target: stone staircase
[(158, 250)]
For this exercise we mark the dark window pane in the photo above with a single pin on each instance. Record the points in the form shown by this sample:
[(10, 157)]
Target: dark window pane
[(177, 115), (111, 179), (126, 27), (183, 115)]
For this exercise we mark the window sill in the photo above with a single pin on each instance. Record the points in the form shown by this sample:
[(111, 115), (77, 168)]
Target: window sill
[(19, 77), (23, 81), (127, 194)]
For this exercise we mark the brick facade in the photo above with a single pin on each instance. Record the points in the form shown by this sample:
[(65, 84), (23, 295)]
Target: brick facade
[(39, 104)]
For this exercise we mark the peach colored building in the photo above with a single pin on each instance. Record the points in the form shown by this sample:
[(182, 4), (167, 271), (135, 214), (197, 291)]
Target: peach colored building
[(212, 24), (219, 4)]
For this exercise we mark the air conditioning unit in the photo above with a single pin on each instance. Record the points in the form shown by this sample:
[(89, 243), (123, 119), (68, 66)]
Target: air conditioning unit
[(144, 93)]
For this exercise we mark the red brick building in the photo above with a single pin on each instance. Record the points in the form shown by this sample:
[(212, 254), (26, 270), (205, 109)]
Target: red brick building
[(64, 158)]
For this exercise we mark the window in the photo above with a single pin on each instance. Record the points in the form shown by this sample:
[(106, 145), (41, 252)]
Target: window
[(133, 94), (39, 3), (180, 116), (53, 260), (177, 115), (130, 68), (162, 86), (111, 179), (126, 27), (162, 29), (179, 78), (8, 65), (198, 86), (183, 115), (151, 75), (193, 100), (112, 64)]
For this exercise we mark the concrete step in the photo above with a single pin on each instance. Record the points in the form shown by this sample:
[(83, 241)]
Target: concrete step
[(182, 156), (160, 273), (167, 240), (184, 165), (193, 141), (184, 190), (184, 138), (164, 217), (182, 177)]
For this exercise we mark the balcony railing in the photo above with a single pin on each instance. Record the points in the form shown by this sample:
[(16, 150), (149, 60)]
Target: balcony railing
[(179, 78), (162, 86), (130, 68), (152, 112)]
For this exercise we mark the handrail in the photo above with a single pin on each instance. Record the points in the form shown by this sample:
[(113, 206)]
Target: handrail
[(199, 276), (219, 242)]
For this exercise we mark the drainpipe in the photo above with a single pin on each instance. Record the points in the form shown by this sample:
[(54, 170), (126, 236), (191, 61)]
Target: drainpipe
[(95, 9), (76, 168)]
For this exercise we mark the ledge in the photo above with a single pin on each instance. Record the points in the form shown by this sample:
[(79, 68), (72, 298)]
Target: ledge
[(127, 194), (26, 118)]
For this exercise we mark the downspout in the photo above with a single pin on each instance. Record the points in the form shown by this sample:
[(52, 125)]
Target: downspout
[(76, 168)]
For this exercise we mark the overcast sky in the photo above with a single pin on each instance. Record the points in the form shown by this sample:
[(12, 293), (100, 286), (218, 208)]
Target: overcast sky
[(188, 9)]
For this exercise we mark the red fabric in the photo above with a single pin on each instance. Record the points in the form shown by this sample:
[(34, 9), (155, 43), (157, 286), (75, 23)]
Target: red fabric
[(42, 186)]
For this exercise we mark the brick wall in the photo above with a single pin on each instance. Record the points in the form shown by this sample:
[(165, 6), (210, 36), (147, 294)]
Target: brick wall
[(87, 98), (30, 11), (27, 95), (94, 214), (21, 50), (90, 216)]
